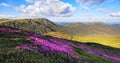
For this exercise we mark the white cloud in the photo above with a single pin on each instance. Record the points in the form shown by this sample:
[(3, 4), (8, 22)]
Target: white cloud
[(90, 2), (85, 19), (32, 1), (6, 16), (44, 8), (105, 10), (4, 4), (85, 3), (47, 8), (117, 14), (7, 5), (84, 7)]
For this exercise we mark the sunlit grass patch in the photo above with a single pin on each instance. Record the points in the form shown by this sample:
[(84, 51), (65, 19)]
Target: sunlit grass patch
[(113, 41), (109, 41)]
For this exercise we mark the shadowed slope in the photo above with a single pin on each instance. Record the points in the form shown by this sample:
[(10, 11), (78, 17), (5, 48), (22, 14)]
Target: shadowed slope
[(92, 29)]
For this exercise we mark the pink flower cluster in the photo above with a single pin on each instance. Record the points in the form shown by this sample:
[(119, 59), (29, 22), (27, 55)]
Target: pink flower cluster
[(26, 47), (52, 45)]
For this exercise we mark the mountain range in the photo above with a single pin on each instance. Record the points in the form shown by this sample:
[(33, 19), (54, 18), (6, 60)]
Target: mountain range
[(42, 25), (37, 40)]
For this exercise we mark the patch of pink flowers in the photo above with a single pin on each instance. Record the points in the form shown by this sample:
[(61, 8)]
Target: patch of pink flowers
[(60, 47), (26, 47), (50, 46), (99, 53)]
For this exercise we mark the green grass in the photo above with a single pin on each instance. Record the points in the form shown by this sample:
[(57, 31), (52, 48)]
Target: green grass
[(104, 40), (8, 54), (112, 41), (8, 43), (90, 58), (22, 56)]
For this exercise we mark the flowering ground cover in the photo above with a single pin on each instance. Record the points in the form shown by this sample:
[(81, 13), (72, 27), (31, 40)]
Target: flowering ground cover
[(21, 46)]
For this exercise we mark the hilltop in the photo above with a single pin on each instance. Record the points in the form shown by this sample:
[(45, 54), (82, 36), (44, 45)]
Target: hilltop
[(39, 25)]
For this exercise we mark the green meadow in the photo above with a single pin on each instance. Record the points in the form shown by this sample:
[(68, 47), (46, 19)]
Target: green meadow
[(113, 41)]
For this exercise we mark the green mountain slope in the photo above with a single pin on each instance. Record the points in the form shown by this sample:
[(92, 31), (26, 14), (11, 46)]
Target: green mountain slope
[(94, 32), (92, 29), (21, 46), (40, 25)]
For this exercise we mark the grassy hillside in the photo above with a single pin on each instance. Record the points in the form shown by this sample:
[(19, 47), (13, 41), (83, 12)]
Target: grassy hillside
[(40, 25), (93, 32), (92, 29), (21, 46), (112, 41)]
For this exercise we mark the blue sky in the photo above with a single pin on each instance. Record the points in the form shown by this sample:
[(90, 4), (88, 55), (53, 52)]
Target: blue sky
[(62, 10)]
